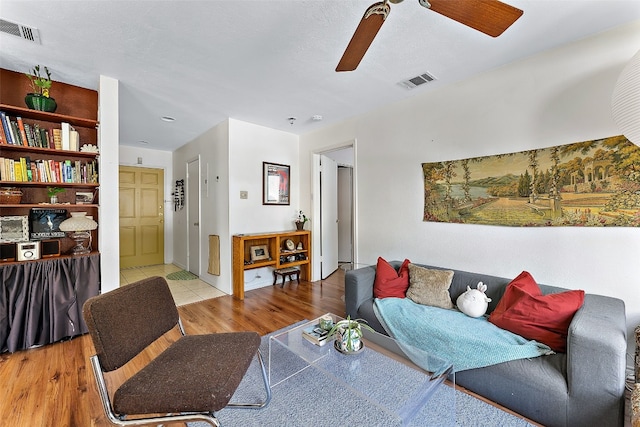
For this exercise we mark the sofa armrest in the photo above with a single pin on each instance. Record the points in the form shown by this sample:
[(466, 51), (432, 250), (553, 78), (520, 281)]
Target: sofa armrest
[(358, 287), (637, 356), (635, 406), (596, 360), (635, 393)]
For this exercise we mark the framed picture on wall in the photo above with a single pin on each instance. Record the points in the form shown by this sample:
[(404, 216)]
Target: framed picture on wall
[(275, 184)]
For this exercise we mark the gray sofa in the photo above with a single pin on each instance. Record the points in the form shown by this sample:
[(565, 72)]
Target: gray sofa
[(584, 387)]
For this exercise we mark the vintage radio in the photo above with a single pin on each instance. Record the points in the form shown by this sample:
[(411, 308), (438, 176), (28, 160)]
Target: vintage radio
[(27, 251)]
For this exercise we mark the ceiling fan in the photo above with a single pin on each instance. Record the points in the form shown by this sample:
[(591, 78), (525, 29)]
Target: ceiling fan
[(491, 17)]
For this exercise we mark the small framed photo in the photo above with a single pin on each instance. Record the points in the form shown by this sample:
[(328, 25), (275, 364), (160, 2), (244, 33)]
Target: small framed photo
[(84, 197), (259, 252), (14, 229), (275, 183)]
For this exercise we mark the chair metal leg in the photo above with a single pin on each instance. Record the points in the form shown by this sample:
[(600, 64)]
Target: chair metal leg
[(265, 379), (115, 419)]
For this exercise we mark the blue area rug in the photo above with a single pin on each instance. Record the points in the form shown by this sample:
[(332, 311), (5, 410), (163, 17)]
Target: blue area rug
[(310, 398)]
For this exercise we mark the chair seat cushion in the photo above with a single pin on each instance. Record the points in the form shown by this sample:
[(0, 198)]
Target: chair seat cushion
[(197, 373)]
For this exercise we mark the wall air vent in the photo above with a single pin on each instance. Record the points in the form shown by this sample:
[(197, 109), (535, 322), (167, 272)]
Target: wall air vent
[(417, 81), (19, 30)]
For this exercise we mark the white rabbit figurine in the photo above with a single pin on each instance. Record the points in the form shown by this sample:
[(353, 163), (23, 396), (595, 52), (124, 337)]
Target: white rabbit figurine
[(474, 302)]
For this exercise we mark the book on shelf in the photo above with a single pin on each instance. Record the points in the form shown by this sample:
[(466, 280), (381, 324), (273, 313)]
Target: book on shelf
[(70, 138), (3, 136), (28, 134), (6, 127), (15, 132), (23, 132), (25, 169), (315, 334), (57, 138)]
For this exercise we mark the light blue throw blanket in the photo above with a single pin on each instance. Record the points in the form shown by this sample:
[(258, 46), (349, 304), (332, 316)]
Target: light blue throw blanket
[(451, 335)]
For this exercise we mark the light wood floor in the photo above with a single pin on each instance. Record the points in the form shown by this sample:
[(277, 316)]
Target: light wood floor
[(54, 385)]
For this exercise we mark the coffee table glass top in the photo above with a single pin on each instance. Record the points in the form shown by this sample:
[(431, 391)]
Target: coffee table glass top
[(381, 373)]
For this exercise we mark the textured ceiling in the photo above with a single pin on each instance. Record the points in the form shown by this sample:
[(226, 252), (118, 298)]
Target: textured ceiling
[(264, 61)]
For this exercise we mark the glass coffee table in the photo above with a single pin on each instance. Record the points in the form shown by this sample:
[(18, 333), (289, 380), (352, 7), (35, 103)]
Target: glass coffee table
[(381, 374)]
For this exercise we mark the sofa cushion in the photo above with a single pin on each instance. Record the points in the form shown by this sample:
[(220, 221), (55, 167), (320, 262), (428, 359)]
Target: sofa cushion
[(390, 283), (545, 318), (430, 286)]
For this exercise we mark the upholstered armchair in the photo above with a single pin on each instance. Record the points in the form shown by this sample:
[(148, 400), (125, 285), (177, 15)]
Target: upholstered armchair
[(190, 380)]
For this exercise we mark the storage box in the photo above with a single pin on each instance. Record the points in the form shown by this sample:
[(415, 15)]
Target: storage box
[(10, 196)]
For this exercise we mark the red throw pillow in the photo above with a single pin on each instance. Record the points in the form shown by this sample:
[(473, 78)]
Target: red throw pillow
[(390, 283), (523, 310)]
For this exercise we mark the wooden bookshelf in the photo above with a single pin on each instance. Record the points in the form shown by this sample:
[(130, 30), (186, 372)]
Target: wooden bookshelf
[(76, 106), (279, 254)]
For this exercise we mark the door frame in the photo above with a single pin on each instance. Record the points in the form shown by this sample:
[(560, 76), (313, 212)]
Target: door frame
[(315, 205), (188, 213)]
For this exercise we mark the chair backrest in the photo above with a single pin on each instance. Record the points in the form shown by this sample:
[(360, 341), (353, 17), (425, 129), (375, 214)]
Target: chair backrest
[(125, 321)]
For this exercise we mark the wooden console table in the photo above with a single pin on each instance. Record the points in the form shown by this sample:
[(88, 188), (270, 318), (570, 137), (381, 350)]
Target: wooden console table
[(280, 256), (41, 301)]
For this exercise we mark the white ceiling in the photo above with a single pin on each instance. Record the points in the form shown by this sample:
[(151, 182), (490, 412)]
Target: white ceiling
[(264, 61)]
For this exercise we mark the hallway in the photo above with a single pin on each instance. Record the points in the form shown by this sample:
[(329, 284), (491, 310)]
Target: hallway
[(183, 291)]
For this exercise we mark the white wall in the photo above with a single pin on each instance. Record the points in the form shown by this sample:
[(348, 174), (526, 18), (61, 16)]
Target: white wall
[(231, 156), (557, 97), (108, 197), (156, 159), (249, 146), (212, 148)]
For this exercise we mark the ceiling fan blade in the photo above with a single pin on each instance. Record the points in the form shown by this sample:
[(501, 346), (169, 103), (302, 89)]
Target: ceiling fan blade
[(369, 26), (491, 17)]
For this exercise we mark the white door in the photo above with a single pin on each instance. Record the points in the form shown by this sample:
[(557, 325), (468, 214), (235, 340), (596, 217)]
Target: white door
[(345, 214), (328, 216), (193, 214)]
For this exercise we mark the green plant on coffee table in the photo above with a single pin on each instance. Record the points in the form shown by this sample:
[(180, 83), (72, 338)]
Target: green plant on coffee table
[(39, 83), (348, 333)]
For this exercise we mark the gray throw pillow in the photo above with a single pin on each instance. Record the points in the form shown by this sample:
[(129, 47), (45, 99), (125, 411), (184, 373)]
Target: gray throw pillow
[(429, 286)]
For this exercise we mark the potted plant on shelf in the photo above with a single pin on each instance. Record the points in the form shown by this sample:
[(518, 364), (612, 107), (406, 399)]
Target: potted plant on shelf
[(348, 334), (39, 99), (52, 192), (300, 220)]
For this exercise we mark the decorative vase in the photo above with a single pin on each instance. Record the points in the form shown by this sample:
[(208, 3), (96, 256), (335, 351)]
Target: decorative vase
[(300, 225), (36, 101), (53, 200)]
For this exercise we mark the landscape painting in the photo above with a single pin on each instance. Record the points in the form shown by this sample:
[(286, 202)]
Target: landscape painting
[(592, 183)]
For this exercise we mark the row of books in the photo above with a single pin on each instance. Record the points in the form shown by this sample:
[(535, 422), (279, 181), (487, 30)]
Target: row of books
[(17, 132), (27, 170)]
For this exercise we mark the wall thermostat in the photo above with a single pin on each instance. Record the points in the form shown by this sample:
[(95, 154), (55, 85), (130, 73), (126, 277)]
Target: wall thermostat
[(27, 251)]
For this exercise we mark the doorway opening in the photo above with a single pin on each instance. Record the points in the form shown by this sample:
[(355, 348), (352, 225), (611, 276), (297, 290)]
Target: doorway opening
[(334, 182)]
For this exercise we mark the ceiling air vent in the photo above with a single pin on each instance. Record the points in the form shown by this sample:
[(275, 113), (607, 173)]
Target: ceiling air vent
[(417, 81), (19, 30)]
